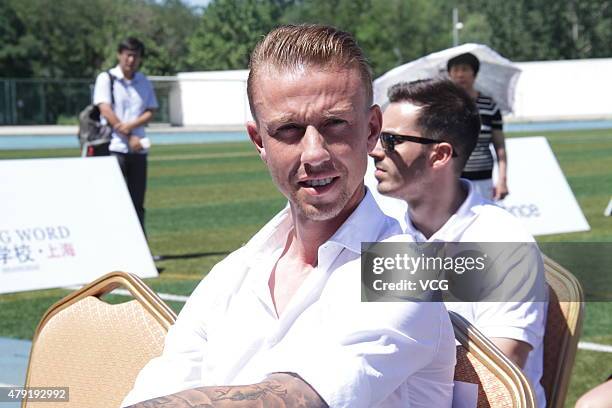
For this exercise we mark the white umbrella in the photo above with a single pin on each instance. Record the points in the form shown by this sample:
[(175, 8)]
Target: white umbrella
[(496, 78)]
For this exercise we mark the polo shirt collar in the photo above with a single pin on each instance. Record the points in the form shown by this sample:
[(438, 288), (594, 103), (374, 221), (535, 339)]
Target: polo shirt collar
[(457, 222), (118, 74)]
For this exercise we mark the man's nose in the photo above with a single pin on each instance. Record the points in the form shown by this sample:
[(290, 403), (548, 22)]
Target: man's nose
[(314, 148), (378, 152)]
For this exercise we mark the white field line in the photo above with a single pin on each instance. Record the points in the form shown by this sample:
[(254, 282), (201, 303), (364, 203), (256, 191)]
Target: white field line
[(7, 385), (585, 345), (582, 345), (199, 156)]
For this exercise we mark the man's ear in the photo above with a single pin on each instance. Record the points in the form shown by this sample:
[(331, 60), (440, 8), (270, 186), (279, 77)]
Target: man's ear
[(255, 137), (374, 126), (442, 155)]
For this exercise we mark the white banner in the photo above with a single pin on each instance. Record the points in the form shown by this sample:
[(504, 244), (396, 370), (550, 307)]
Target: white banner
[(67, 222), (539, 194)]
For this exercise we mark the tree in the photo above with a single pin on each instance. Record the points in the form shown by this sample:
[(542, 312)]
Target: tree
[(173, 24), (163, 28), (391, 32), (62, 39), (399, 31), (476, 29), (17, 49), (229, 29), (591, 28), (528, 30), (76, 39)]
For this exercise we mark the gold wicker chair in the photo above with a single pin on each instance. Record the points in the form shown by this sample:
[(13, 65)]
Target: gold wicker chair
[(563, 327), (95, 348), (501, 384)]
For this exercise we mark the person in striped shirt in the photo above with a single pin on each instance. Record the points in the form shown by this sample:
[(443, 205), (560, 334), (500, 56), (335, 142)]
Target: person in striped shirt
[(462, 70)]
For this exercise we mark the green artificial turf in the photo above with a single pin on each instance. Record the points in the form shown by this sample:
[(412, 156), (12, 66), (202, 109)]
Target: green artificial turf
[(206, 200)]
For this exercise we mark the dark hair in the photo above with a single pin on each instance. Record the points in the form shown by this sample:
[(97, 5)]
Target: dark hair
[(464, 59), (447, 113), (132, 44), (289, 47)]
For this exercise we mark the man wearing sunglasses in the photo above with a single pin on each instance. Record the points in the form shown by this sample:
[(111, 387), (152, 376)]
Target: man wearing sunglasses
[(429, 131)]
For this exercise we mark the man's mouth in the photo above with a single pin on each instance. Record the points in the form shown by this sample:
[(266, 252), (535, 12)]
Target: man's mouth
[(319, 182), (318, 186), (379, 172), (379, 167)]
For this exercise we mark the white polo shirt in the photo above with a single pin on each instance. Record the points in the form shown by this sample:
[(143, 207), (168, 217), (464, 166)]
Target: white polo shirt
[(353, 354), (132, 98), (479, 220)]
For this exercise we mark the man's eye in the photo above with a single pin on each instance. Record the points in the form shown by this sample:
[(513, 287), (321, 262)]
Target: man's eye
[(335, 122), (289, 131)]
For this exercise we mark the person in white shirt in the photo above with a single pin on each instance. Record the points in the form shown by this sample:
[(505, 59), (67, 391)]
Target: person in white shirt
[(128, 105), (280, 322), (429, 130)]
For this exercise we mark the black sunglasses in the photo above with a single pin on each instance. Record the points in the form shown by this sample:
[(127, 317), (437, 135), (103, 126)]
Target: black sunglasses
[(389, 140)]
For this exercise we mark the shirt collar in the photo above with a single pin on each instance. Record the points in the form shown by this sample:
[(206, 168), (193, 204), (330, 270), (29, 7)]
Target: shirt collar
[(272, 235), (457, 222), (472, 199), (118, 74), (367, 223)]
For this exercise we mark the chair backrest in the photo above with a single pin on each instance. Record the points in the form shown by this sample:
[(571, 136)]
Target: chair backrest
[(563, 327), (96, 348), (501, 384)]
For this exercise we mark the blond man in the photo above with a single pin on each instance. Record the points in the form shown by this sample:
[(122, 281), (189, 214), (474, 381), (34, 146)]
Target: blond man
[(279, 322)]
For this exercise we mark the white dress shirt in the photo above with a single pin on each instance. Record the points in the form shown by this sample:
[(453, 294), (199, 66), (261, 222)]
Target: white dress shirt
[(479, 220), (353, 354), (132, 98)]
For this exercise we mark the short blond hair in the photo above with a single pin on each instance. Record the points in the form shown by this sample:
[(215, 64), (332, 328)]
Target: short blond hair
[(290, 47)]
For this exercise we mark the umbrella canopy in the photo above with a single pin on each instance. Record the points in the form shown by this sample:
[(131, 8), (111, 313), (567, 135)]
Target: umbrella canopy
[(496, 78)]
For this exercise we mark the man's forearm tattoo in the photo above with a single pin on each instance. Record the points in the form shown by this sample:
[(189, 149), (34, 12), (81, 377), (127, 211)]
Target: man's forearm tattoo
[(251, 393), (288, 392), (169, 401)]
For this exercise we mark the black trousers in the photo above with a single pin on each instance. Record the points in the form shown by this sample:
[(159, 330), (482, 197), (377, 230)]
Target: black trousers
[(134, 169)]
